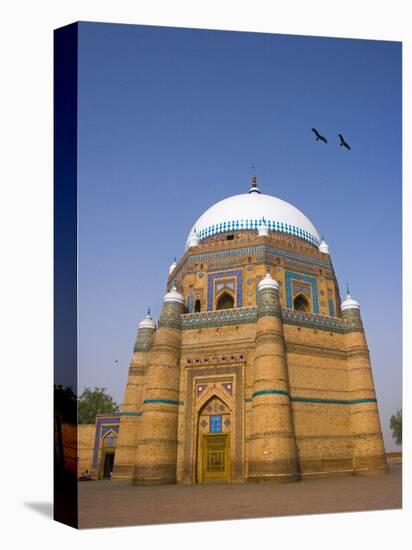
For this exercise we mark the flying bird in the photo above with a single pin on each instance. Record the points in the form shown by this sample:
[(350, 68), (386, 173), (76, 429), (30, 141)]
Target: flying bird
[(318, 136), (343, 142)]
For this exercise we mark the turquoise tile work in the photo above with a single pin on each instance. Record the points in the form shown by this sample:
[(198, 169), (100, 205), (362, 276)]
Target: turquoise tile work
[(254, 223), (289, 276)]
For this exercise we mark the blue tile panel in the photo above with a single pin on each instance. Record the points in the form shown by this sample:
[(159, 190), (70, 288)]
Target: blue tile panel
[(223, 274), (331, 304), (215, 423), (254, 223), (269, 250), (289, 276)]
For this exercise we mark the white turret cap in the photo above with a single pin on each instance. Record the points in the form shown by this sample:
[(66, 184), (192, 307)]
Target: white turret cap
[(173, 295), (268, 282), (172, 266), (193, 239), (147, 322), (323, 247), (263, 230), (349, 302)]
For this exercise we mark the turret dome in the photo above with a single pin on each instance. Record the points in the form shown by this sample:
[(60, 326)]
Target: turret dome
[(147, 322), (349, 303), (173, 295)]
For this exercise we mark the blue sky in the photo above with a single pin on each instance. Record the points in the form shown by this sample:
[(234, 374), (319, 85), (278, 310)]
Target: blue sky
[(171, 121)]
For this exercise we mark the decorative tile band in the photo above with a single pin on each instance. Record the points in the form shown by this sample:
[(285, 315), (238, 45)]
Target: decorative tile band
[(239, 316), (270, 250), (313, 399), (333, 401), (269, 392), (254, 223), (131, 414), (165, 401), (223, 317), (313, 320)]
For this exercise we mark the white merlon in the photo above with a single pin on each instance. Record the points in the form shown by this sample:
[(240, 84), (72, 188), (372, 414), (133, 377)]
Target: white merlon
[(323, 247), (172, 266), (263, 230)]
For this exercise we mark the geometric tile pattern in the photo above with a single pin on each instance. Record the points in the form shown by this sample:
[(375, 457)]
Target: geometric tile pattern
[(210, 281), (254, 223), (289, 276), (265, 249)]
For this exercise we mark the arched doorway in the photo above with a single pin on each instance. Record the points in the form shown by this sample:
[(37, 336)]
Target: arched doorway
[(225, 301), (301, 303), (107, 455), (197, 306), (214, 429)]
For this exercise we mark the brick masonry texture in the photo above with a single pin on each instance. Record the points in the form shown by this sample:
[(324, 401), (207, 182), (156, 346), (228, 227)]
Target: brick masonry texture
[(292, 391)]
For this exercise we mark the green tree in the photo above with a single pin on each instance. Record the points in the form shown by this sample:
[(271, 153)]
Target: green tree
[(94, 401), (396, 427)]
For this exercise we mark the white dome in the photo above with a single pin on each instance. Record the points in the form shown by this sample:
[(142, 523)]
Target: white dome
[(246, 211), (349, 303)]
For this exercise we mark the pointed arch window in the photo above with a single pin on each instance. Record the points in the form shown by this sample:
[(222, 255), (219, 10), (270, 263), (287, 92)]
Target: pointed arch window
[(301, 303), (225, 301)]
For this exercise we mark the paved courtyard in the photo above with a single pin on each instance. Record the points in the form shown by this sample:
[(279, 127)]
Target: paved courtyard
[(118, 503)]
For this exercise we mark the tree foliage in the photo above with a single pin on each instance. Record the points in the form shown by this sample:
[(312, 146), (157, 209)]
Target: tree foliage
[(92, 402), (396, 427)]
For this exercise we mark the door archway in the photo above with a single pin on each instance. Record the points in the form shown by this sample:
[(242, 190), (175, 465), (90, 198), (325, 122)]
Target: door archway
[(214, 441)]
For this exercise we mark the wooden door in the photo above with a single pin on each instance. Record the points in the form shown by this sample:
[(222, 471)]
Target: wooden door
[(215, 458)]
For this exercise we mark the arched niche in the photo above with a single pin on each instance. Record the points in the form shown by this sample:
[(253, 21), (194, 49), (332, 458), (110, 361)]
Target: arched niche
[(225, 301), (301, 303)]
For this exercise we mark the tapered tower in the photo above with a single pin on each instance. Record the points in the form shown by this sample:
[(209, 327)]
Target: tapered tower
[(133, 400), (368, 448), (272, 439), (156, 454)]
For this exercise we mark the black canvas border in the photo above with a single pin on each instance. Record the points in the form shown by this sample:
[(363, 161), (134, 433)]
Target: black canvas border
[(65, 87)]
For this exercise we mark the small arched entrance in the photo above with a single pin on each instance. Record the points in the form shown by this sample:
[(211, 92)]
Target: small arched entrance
[(225, 301), (214, 429), (301, 303)]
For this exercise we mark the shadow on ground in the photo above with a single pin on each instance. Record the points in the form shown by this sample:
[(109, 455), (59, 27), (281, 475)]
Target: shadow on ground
[(43, 508)]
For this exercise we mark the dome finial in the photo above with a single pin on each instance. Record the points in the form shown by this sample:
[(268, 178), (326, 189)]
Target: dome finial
[(347, 289), (148, 311), (254, 188)]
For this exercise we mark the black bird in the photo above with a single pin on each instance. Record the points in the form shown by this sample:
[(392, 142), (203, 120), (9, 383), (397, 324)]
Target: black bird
[(318, 136), (343, 142)]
